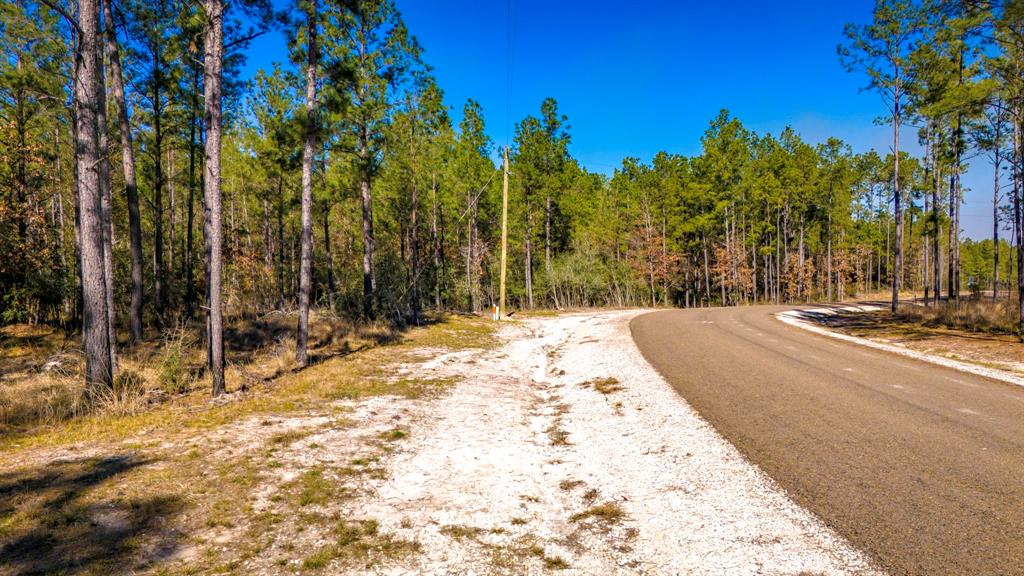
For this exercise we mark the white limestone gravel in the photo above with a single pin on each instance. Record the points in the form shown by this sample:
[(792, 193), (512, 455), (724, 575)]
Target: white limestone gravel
[(494, 471)]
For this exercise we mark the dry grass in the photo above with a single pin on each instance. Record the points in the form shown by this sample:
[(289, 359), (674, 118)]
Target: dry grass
[(43, 399), (608, 512), (971, 315), (605, 386)]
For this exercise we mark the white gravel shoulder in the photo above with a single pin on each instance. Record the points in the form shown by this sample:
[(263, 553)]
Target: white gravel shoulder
[(805, 319), (498, 475)]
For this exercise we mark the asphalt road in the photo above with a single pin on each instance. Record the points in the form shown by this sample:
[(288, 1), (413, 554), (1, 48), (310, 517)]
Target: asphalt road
[(920, 466)]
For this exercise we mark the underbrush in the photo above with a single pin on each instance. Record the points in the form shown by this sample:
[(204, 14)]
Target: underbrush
[(972, 315), (42, 368), (163, 383)]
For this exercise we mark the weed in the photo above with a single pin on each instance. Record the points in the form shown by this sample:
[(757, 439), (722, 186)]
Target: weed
[(606, 386), (288, 436), (359, 541), (174, 376), (313, 488), (605, 513), (568, 485), (461, 532), (395, 434)]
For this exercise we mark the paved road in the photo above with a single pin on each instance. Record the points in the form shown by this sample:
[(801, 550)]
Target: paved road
[(919, 465)]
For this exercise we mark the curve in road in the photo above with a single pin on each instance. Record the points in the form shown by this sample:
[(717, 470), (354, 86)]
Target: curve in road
[(921, 466)]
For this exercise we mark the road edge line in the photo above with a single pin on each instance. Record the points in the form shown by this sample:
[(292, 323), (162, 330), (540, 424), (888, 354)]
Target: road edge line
[(800, 319)]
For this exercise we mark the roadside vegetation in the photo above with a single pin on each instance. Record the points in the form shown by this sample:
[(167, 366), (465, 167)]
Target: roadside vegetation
[(977, 331), (167, 483)]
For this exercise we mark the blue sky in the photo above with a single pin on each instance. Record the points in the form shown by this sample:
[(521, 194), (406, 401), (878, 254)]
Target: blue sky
[(638, 78)]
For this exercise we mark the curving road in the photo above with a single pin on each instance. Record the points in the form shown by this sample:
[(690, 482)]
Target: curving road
[(919, 465)]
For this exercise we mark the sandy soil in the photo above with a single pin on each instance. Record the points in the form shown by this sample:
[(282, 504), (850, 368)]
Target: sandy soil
[(563, 449)]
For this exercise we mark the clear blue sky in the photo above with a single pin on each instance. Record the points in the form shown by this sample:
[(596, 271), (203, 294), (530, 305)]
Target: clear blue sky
[(638, 78)]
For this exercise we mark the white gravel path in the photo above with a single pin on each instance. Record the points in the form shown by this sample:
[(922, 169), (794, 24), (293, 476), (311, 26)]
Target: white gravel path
[(493, 472)]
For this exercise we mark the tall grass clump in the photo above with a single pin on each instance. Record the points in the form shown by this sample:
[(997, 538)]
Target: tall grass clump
[(985, 316)]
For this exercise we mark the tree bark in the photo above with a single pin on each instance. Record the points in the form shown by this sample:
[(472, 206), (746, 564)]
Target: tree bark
[(193, 151), (106, 202), (280, 240), (414, 256), (158, 185), (897, 246), (95, 334), (528, 261), (306, 249), (130, 184), (369, 278), (435, 237), (212, 63), (996, 163)]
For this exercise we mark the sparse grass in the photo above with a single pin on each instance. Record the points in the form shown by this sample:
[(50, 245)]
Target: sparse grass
[(287, 437), (461, 531), (557, 435), (394, 434), (458, 332), (607, 512), (511, 556), (568, 485), (312, 487), (606, 386), (358, 542)]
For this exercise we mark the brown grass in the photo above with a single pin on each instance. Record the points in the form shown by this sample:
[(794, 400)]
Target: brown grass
[(606, 513), (606, 386), (972, 315), (51, 406)]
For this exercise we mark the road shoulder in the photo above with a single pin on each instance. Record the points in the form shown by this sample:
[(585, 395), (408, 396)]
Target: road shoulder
[(816, 320)]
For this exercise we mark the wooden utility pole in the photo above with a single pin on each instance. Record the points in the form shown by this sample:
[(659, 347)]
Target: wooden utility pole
[(504, 238)]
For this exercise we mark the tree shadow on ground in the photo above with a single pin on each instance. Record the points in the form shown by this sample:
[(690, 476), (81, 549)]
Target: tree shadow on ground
[(901, 325), (69, 518)]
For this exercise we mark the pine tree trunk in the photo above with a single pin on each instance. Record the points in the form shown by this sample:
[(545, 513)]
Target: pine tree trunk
[(193, 152), (528, 261), (280, 241), (470, 259), (212, 63), (106, 203), (369, 279), (1018, 213), (130, 185), (95, 334), (158, 187), (995, 216), (436, 244), (306, 251), (936, 255), (897, 247), (414, 256), (950, 254)]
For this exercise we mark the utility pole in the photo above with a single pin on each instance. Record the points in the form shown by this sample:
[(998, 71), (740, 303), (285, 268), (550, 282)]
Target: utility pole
[(504, 238)]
